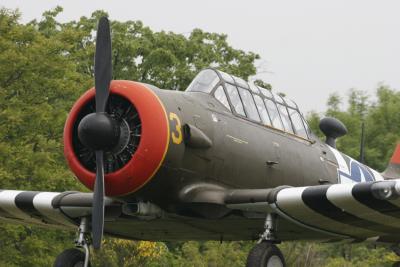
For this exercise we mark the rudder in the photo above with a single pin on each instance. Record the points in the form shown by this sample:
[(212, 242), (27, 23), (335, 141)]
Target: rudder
[(393, 169)]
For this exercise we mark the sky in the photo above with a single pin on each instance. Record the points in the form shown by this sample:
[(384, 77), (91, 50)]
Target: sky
[(309, 49)]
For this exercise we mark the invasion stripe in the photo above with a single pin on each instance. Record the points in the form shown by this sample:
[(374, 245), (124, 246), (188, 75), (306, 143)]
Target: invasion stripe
[(362, 193), (288, 217), (7, 203), (43, 203), (316, 199), (340, 195), (289, 201), (24, 201), (32, 207), (4, 213)]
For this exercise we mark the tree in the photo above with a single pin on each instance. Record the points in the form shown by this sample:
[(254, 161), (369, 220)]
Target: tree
[(263, 84)]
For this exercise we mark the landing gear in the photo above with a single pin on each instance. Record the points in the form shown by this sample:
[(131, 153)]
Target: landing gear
[(265, 253), (74, 257), (270, 229)]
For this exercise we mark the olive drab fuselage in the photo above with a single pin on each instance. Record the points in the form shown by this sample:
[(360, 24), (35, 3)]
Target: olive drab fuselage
[(243, 154)]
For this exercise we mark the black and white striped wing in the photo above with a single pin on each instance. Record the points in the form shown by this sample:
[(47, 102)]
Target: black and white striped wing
[(360, 210), (59, 210)]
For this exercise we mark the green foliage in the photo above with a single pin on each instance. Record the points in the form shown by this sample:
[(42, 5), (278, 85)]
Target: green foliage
[(210, 253), (126, 253), (263, 84), (299, 254), (381, 119), (46, 65)]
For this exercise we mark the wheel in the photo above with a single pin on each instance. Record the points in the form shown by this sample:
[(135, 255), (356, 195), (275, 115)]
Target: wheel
[(265, 254), (396, 264), (72, 257)]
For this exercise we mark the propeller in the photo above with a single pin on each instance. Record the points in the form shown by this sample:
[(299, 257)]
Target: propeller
[(99, 131), (102, 64)]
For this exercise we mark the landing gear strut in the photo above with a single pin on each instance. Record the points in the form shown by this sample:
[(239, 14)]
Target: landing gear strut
[(270, 229), (75, 257), (266, 253)]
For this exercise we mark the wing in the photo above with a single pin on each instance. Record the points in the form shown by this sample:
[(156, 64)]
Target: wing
[(58, 210), (328, 212), (360, 211)]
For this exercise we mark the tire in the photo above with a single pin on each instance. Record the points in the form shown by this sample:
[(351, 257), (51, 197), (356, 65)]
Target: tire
[(265, 254), (72, 257), (396, 264)]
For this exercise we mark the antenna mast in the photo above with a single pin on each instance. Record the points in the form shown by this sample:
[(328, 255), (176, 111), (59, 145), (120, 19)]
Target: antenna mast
[(362, 143)]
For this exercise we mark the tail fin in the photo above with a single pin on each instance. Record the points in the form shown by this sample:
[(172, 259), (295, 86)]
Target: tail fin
[(393, 169)]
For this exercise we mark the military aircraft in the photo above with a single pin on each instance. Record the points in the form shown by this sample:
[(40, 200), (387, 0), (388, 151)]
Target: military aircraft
[(223, 160)]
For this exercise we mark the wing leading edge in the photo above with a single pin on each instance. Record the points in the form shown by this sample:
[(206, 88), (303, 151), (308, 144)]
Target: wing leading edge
[(360, 211), (49, 209)]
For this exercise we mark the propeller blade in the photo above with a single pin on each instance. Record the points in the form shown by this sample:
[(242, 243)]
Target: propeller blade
[(102, 79), (98, 202), (102, 64)]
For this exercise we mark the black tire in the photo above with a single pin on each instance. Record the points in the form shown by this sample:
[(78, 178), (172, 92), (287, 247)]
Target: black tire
[(265, 254), (72, 257), (396, 264)]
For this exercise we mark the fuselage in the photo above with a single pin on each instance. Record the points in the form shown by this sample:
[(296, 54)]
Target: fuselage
[(244, 154), (185, 151)]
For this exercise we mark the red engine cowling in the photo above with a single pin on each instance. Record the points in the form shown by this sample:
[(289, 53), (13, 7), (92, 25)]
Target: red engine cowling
[(141, 149)]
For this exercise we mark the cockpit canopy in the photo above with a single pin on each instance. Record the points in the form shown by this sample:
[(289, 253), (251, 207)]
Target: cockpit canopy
[(252, 102)]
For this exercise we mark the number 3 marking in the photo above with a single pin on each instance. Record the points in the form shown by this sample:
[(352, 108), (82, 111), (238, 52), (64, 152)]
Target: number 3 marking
[(177, 132)]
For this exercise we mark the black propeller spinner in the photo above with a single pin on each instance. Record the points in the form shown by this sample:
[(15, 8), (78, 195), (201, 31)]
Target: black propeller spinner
[(99, 131)]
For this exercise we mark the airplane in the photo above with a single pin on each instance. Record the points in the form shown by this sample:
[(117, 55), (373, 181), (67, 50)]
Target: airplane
[(224, 160)]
